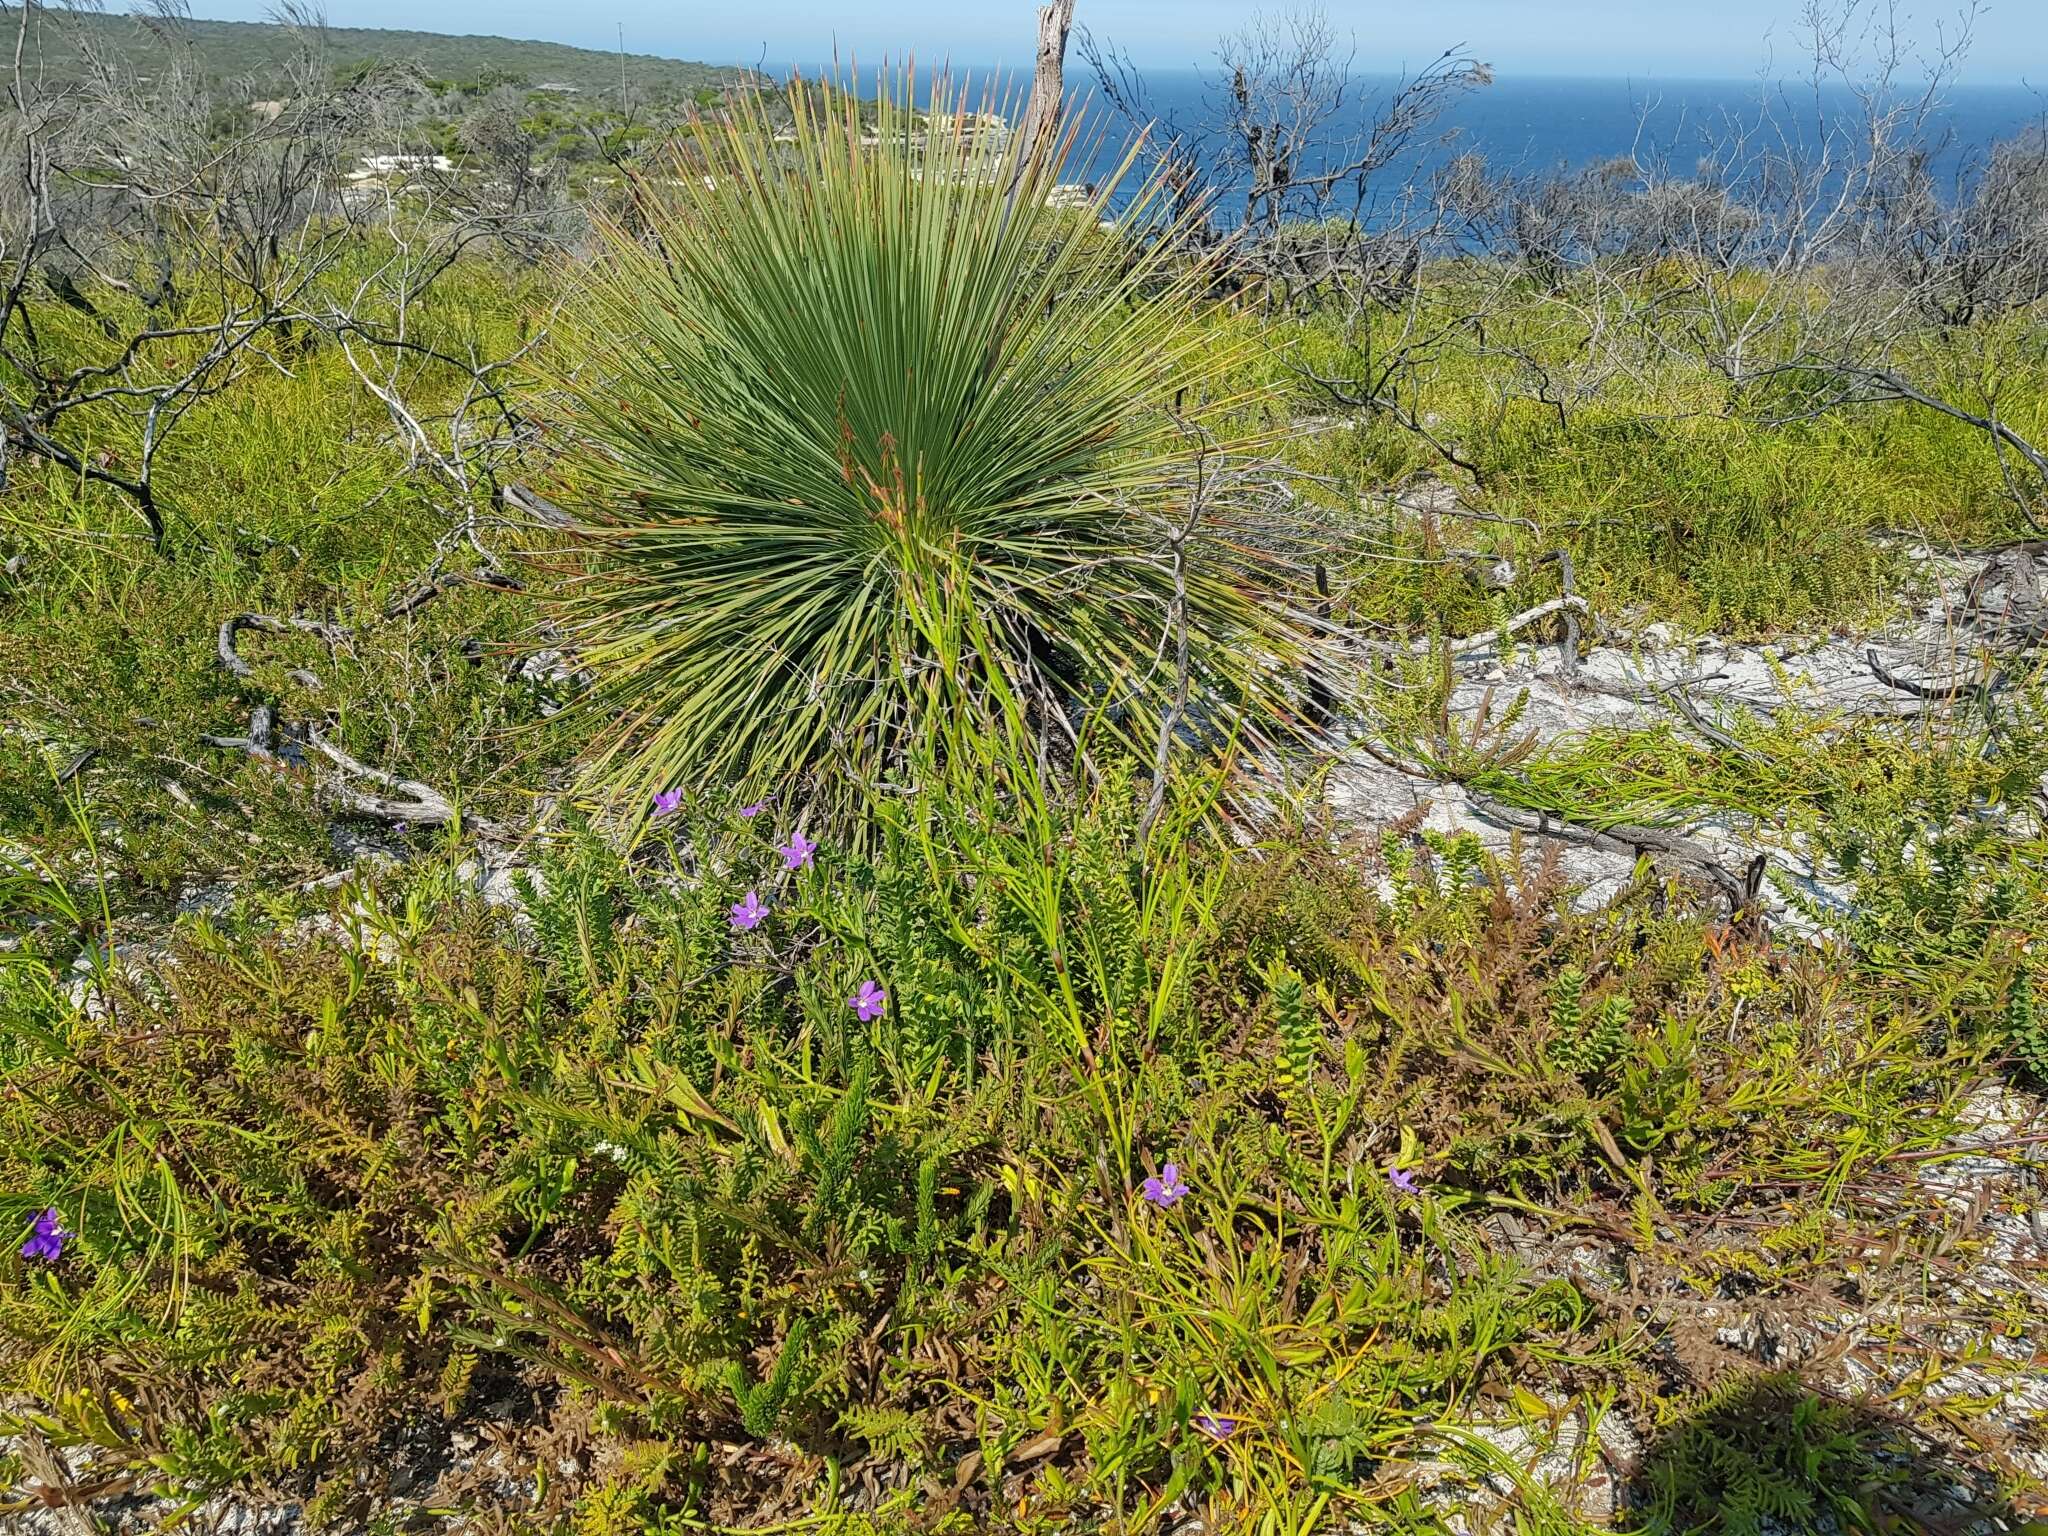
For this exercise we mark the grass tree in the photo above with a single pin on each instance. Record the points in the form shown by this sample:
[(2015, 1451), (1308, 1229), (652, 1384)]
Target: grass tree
[(876, 432)]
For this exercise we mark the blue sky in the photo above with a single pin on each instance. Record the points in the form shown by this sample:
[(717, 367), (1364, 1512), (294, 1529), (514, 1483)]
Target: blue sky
[(1640, 38)]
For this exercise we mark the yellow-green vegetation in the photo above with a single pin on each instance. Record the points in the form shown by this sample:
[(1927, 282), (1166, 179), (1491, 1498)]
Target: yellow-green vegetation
[(1683, 496), (332, 1180), (286, 495), (939, 1133)]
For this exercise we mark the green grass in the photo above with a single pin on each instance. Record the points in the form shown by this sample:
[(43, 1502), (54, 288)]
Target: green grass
[(286, 495), (357, 1173), (390, 1168), (1674, 499)]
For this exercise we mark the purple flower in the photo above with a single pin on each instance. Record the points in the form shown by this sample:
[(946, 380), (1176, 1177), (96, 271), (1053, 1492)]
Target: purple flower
[(400, 828), (1166, 1191), (1403, 1181), (1216, 1426), (46, 1240), (796, 853), (751, 811), (668, 802), (748, 914), (869, 1001)]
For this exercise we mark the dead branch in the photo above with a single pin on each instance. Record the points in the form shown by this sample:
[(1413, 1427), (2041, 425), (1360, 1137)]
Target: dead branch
[(230, 657), (412, 804), (443, 582), (1662, 846), (1048, 90), (1940, 691), (535, 506), (420, 805), (1568, 647), (1177, 537), (1480, 644)]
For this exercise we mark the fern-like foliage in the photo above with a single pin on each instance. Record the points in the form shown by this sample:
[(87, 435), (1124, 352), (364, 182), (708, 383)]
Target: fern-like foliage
[(576, 898), (1587, 1042), (1295, 1028), (1764, 1455), (1106, 880), (1567, 1014), (888, 1431), (762, 1403), (2024, 1031), (832, 1150)]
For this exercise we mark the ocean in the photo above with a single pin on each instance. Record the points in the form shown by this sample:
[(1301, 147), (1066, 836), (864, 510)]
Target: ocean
[(1540, 124)]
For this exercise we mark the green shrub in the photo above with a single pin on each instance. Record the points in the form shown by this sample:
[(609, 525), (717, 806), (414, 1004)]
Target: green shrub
[(1765, 1455), (873, 434), (345, 1174)]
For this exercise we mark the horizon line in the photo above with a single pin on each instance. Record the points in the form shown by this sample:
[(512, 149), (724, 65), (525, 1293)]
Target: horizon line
[(1969, 80)]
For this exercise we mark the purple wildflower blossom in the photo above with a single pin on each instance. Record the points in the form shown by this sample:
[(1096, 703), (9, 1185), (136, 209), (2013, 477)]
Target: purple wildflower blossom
[(869, 1002), (749, 812), (796, 853), (668, 802), (46, 1240), (1166, 1190), (1403, 1181), (748, 914), (1216, 1426)]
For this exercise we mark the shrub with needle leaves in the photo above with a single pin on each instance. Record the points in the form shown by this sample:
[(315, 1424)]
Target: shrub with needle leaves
[(878, 431), (1294, 1025)]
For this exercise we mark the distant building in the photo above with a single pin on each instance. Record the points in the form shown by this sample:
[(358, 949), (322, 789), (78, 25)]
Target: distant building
[(989, 125)]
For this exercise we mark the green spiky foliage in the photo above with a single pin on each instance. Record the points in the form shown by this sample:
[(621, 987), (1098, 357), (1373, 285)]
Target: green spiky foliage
[(2024, 1030), (1608, 1038), (1586, 1042), (1765, 1455), (1294, 1026), (1567, 1010), (878, 431), (761, 1403)]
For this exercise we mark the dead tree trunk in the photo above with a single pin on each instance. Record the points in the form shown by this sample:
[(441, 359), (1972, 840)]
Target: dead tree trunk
[(1040, 129)]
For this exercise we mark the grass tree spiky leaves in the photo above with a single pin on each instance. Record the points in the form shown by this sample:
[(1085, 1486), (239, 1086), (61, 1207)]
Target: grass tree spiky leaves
[(879, 433)]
